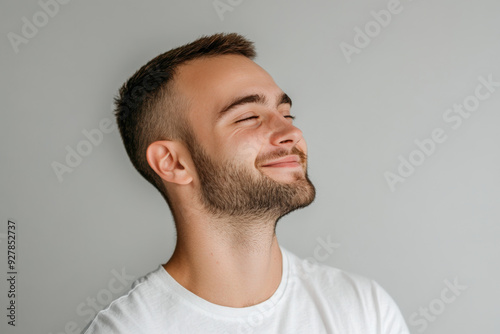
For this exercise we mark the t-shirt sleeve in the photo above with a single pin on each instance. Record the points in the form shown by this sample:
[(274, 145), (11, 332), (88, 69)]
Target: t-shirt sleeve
[(106, 323), (125, 315), (391, 319)]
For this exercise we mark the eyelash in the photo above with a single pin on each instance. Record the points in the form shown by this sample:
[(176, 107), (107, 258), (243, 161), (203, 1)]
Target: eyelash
[(248, 118)]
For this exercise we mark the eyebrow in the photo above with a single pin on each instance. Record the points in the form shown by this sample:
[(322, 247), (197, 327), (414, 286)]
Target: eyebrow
[(254, 98)]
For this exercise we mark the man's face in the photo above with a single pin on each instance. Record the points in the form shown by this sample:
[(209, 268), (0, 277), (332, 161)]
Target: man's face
[(241, 124)]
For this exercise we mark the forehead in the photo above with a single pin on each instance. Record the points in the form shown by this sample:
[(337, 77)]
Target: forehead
[(209, 83)]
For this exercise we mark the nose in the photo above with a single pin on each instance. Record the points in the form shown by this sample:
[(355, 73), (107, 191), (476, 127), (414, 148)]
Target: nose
[(283, 132)]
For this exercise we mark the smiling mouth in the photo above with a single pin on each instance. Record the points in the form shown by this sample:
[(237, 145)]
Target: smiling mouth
[(289, 161), (284, 164)]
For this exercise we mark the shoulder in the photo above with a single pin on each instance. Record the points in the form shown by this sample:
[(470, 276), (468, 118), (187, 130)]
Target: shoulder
[(129, 313), (310, 271), (347, 292)]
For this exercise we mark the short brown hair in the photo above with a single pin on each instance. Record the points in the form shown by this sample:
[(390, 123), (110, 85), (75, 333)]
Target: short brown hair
[(148, 108)]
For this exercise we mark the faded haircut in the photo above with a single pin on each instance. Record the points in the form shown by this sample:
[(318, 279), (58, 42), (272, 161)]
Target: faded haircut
[(148, 108)]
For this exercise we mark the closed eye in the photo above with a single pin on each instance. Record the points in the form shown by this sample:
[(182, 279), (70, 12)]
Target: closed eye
[(248, 118)]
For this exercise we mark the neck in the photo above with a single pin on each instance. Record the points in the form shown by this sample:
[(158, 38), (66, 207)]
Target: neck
[(234, 263)]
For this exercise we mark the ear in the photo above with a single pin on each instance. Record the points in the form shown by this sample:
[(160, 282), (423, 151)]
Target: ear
[(170, 160)]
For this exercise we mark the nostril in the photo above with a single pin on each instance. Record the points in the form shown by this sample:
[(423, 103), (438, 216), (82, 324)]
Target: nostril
[(286, 140)]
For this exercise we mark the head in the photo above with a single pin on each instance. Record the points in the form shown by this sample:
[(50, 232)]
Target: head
[(205, 120)]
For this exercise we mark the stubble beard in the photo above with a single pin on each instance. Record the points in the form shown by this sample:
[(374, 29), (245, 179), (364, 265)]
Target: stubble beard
[(232, 191)]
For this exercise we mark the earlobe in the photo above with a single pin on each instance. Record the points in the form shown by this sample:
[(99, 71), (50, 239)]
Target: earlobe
[(164, 158)]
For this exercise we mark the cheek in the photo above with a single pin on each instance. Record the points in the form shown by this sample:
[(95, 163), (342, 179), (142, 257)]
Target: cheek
[(243, 146), (238, 150), (247, 151)]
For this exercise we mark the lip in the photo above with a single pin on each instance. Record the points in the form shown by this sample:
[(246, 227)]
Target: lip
[(288, 161)]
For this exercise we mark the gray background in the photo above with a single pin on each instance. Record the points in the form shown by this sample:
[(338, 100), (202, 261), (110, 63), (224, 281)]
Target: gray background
[(358, 117)]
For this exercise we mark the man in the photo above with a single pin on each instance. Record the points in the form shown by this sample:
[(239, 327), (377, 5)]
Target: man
[(213, 133)]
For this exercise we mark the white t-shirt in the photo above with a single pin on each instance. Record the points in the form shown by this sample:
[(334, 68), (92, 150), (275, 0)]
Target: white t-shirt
[(311, 298)]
